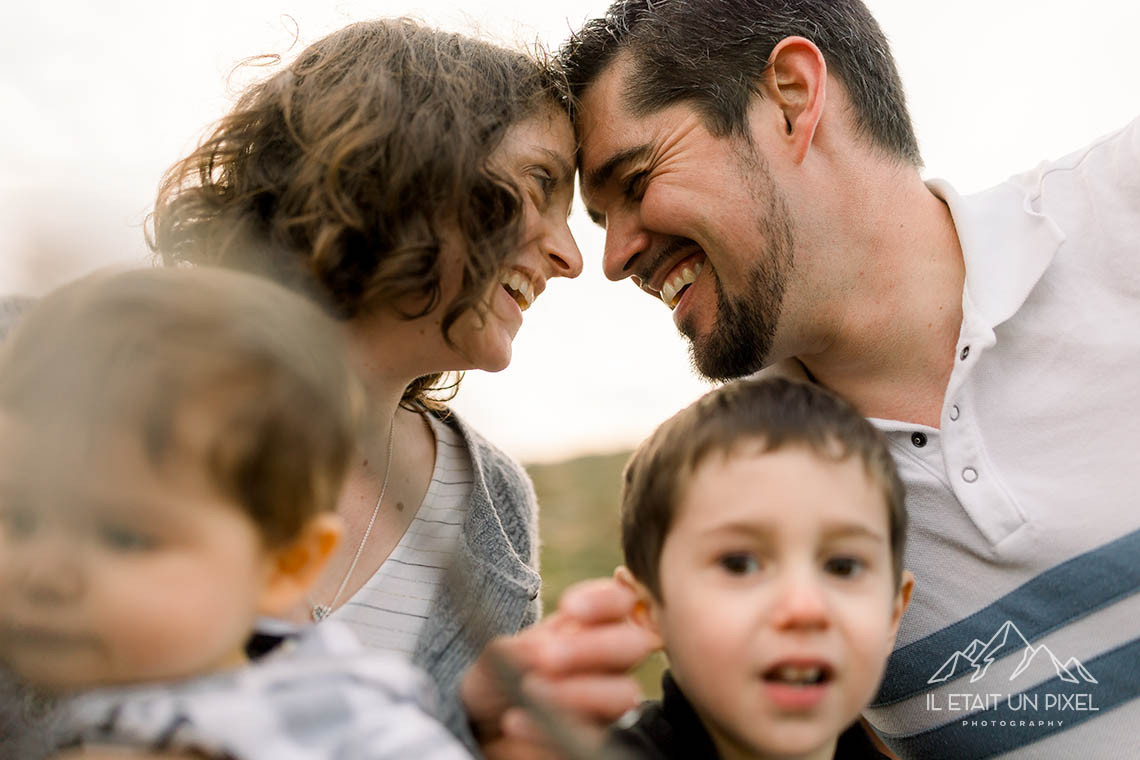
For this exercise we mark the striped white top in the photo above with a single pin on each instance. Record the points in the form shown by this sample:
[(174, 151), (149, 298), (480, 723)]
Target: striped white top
[(391, 608)]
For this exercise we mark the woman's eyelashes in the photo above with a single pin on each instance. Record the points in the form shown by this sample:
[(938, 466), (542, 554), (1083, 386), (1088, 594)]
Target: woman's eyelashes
[(545, 183)]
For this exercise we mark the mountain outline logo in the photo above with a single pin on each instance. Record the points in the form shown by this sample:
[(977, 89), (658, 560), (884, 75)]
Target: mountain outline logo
[(980, 655)]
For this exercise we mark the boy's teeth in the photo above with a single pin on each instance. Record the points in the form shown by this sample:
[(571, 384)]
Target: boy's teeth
[(671, 290), (793, 674)]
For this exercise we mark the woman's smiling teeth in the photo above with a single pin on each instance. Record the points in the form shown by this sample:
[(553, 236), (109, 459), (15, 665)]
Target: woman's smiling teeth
[(519, 286), (672, 289)]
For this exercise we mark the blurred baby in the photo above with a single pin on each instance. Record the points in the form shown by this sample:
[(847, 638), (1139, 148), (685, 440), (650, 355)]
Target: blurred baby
[(172, 443), (763, 531)]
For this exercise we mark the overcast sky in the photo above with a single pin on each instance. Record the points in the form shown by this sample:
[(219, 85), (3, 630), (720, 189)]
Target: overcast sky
[(98, 98)]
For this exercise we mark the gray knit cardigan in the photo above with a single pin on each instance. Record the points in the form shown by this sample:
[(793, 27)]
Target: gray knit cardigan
[(497, 572)]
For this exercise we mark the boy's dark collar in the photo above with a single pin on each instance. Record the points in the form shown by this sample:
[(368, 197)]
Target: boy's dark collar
[(695, 741), (687, 726)]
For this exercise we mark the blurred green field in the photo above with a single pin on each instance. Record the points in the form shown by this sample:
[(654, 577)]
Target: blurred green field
[(580, 529)]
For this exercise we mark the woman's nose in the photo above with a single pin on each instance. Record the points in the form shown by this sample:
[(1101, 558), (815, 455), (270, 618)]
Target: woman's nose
[(561, 250)]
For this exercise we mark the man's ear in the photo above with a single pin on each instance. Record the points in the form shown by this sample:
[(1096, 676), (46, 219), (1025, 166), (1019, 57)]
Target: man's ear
[(646, 609), (796, 82), (294, 568), (902, 600)]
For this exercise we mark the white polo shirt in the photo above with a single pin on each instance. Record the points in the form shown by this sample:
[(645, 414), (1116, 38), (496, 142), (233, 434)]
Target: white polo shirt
[(1023, 636)]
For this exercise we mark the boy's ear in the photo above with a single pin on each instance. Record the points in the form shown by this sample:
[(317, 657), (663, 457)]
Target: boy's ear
[(295, 567), (902, 599), (645, 609)]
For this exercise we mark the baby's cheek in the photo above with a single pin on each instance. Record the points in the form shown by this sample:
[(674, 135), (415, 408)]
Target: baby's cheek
[(180, 629)]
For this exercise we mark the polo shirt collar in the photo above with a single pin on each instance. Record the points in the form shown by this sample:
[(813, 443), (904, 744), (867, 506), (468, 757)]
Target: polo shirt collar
[(1007, 244)]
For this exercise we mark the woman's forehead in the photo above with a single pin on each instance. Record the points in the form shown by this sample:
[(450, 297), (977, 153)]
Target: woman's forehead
[(546, 132)]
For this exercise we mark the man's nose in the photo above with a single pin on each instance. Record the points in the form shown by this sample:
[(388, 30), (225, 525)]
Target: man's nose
[(625, 242)]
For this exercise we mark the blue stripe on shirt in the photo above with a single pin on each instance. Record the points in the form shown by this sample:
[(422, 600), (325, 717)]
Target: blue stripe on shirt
[(1118, 676), (1051, 600)]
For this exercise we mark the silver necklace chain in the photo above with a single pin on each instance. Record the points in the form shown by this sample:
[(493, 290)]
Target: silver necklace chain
[(322, 611)]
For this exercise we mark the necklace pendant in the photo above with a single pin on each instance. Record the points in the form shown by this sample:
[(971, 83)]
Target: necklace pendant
[(320, 612)]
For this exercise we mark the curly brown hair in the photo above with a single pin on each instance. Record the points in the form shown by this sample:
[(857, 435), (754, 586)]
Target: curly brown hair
[(339, 175)]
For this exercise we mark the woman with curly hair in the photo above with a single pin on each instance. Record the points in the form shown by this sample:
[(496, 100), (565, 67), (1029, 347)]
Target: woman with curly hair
[(416, 184)]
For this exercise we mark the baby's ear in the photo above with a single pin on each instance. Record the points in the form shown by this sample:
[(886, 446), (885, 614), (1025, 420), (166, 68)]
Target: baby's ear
[(294, 568), (644, 613)]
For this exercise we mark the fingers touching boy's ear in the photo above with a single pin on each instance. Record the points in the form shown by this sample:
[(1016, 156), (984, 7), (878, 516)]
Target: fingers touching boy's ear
[(295, 567), (644, 613)]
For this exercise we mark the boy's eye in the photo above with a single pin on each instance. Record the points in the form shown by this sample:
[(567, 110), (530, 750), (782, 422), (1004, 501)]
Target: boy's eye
[(739, 563), (844, 566), (124, 539)]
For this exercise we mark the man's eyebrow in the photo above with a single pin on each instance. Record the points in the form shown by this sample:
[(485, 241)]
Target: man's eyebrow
[(595, 179)]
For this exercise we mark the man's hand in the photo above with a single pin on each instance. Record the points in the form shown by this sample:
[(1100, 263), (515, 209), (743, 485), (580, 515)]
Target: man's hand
[(574, 661)]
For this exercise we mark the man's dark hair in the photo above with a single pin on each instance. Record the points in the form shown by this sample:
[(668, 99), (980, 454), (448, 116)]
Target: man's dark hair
[(765, 415), (711, 53)]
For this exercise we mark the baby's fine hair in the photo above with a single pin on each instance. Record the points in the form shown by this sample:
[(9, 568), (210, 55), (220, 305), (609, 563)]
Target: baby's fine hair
[(771, 413), (146, 353)]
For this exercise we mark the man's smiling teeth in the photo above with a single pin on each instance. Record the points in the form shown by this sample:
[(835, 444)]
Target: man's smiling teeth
[(519, 287), (797, 675), (671, 290)]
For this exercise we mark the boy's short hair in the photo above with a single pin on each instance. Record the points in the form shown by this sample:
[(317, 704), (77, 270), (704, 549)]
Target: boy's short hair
[(151, 351), (771, 413)]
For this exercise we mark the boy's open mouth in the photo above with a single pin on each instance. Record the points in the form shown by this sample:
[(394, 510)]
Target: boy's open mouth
[(799, 675)]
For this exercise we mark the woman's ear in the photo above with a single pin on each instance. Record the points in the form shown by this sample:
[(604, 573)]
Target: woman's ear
[(796, 82), (293, 569), (645, 609)]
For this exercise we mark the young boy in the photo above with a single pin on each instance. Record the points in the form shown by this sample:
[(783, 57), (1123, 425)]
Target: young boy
[(763, 530), (172, 443)]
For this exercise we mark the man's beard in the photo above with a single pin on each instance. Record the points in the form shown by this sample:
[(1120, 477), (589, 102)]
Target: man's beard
[(742, 335)]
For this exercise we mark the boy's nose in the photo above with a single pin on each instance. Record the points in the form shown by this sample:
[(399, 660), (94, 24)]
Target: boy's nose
[(801, 603)]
